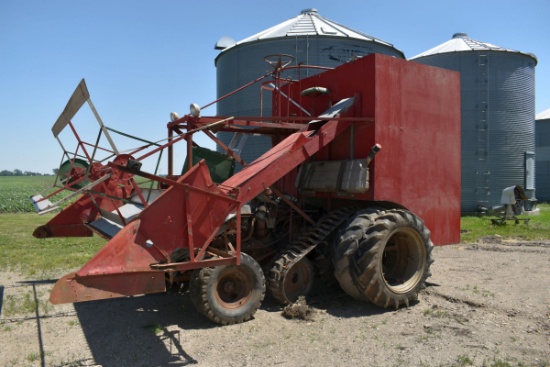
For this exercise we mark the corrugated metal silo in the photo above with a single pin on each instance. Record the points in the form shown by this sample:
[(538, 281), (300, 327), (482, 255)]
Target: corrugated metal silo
[(309, 38), (498, 113), (542, 152)]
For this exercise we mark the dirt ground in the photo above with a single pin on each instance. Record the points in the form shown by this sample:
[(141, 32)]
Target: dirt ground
[(487, 304)]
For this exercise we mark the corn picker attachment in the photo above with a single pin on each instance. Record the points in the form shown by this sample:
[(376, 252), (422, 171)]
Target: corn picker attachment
[(317, 202)]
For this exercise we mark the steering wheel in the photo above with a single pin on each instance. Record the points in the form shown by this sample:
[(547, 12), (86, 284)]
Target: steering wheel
[(279, 61)]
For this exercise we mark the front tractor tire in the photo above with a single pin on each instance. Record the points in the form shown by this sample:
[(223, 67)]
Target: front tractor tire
[(392, 258), (228, 294)]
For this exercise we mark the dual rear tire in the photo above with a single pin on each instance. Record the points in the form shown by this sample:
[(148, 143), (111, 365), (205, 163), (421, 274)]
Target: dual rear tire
[(383, 257)]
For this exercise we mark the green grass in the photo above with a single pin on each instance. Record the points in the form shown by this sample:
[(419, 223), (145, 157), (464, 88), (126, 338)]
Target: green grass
[(465, 360), (18, 219), (38, 257), (20, 250), (32, 357), (474, 227), (23, 305), (155, 328), (33, 256), (436, 313)]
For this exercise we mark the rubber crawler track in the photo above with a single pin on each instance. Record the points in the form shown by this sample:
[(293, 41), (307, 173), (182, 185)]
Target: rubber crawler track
[(300, 248)]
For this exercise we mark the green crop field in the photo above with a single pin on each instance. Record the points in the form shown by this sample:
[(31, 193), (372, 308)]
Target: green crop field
[(15, 192)]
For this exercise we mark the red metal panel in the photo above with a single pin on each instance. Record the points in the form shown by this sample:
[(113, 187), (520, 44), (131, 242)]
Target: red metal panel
[(165, 222), (417, 112), (119, 269), (72, 288), (416, 109), (125, 252), (70, 221)]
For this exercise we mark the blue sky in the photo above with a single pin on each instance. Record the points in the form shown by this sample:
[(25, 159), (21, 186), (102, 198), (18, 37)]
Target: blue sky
[(143, 59)]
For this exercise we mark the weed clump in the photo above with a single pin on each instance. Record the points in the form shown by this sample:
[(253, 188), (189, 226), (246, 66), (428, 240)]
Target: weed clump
[(299, 310)]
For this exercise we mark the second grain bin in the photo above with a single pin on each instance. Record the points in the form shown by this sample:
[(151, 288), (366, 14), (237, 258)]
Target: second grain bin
[(308, 38), (498, 117)]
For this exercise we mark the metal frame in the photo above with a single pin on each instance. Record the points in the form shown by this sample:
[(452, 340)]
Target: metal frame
[(191, 209)]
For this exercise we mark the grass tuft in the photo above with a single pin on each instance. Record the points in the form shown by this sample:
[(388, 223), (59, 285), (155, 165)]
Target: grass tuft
[(155, 328), (464, 360)]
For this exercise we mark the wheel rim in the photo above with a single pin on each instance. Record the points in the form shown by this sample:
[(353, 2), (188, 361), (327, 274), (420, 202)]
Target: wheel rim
[(403, 260), (298, 280), (76, 167), (234, 287)]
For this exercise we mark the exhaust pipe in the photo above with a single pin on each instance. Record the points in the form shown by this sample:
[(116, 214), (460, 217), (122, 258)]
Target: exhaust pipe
[(375, 149)]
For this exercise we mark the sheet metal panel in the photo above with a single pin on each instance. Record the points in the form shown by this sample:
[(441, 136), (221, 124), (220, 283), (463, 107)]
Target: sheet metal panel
[(78, 98), (416, 111)]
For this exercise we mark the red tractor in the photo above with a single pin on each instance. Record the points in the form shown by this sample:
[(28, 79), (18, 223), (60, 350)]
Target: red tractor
[(319, 202)]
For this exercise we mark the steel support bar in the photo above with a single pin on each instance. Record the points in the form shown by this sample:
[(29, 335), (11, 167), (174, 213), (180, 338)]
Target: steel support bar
[(281, 159), (190, 265), (292, 205), (102, 126), (81, 190)]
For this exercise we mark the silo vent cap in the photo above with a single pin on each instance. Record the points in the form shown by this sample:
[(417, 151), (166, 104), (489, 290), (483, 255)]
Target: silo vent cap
[(309, 11), (460, 35)]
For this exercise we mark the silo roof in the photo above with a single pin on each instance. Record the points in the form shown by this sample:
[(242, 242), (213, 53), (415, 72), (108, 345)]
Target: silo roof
[(462, 43), (543, 115), (310, 23)]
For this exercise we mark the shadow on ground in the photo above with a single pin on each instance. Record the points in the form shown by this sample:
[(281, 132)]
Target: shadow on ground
[(145, 325), (142, 325), (1, 298), (337, 303)]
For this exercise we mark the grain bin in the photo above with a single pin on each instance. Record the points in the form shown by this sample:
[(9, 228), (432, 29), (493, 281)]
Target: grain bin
[(309, 38), (542, 152), (498, 117)]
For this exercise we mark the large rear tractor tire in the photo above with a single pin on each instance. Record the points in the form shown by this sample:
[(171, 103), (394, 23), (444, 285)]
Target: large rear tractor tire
[(346, 243), (390, 261), (324, 266), (228, 294)]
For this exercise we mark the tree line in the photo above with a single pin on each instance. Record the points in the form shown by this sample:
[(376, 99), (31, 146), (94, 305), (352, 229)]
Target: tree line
[(18, 172)]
